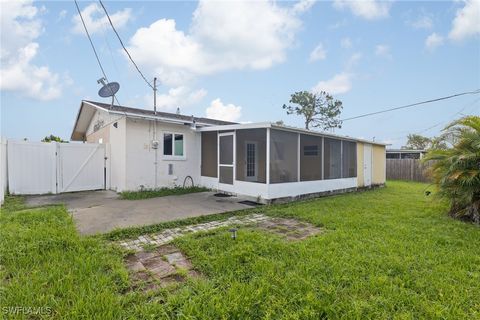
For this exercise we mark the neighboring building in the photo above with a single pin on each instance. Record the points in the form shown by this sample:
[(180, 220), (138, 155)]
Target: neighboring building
[(261, 160), (405, 154)]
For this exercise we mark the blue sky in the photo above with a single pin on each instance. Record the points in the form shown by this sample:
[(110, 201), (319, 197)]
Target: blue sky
[(242, 60)]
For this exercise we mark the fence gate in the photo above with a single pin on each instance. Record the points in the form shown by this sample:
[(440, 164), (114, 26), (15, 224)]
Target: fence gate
[(38, 168), (80, 167)]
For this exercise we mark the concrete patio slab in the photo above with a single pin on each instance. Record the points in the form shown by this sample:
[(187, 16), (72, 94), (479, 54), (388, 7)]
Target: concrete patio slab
[(102, 211)]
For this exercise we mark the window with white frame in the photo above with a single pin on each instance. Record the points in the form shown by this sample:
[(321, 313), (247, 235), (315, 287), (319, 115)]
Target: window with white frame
[(173, 145)]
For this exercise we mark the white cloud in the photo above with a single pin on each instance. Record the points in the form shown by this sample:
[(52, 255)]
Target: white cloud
[(346, 43), (467, 21), (319, 53), (422, 22), (382, 50), (433, 41), (217, 40), (226, 112), (179, 97), (20, 26), (340, 83), (367, 9), (303, 6), (96, 20)]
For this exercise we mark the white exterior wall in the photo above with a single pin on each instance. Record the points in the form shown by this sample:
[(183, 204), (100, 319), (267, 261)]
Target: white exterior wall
[(140, 156), (280, 190), (117, 158), (100, 116)]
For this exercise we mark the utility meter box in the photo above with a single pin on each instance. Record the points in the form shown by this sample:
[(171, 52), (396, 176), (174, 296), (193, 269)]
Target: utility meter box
[(154, 144)]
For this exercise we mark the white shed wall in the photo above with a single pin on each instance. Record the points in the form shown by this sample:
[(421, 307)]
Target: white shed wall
[(140, 156)]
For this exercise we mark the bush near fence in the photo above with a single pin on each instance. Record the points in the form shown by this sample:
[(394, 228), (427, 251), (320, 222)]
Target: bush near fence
[(408, 169)]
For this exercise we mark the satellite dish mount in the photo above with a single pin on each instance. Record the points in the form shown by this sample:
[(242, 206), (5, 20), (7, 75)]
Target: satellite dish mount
[(108, 89)]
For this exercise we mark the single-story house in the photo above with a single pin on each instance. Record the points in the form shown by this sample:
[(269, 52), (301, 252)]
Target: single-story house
[(264, 161), (405, 153)]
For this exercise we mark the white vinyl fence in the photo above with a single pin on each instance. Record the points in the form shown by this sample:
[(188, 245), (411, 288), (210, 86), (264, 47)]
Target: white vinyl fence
[(39, 168), (3, 168)]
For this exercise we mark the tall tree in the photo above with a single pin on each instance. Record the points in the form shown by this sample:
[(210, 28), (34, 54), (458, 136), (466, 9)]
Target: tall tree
[(320, 110), (419, 142), (53, 138)]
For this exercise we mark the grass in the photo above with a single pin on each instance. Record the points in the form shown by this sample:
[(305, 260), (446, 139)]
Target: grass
[(391, 253), (161, 192)]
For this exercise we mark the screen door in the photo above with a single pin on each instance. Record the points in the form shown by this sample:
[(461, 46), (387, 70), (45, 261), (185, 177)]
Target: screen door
[(226, 158)]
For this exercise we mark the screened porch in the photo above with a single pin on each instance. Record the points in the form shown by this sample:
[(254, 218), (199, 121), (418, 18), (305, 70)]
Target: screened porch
[(267, 161)]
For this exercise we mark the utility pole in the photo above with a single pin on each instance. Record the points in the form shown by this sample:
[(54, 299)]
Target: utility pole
[(155, 129)]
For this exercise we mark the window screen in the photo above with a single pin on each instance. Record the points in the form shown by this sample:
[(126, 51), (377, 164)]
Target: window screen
[(283, 156), (251, 154), (226, 149), (310, 157), (226, 175), (332, 160), (178, 147), (209, 154), (167, 144), (349, 159)]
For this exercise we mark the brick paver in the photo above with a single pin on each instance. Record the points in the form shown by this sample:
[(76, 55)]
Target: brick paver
[(166, 236)]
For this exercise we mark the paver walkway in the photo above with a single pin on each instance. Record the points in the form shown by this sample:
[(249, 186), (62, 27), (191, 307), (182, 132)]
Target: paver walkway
[(168, 235), (291, 229)]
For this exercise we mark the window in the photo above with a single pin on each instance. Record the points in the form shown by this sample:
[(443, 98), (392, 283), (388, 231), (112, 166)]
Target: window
[(178, 145), (173, 144), (310, 150)]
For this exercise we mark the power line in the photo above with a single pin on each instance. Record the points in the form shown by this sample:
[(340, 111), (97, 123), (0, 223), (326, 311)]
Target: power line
[(123, 46), (413, 104), (93, 46), (420, 131)]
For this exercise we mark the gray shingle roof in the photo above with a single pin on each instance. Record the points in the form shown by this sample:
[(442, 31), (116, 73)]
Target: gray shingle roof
[(161, 114)]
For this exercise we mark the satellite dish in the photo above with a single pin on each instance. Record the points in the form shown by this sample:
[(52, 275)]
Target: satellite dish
[(109, 89)]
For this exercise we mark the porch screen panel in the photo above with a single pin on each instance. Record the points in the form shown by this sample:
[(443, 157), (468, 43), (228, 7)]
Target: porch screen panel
[(251, 152), (226, 149), (283, 156), (332, 168), (310, 158), (226, 175), (209, 154), (349, 159)]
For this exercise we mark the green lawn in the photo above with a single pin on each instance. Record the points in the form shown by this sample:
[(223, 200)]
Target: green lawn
[(391, 253)]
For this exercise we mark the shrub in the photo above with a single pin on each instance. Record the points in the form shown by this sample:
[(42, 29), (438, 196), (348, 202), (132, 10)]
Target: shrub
[(456, 171)]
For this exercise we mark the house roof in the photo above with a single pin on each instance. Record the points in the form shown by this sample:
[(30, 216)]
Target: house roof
[(285, 128), (406, 151), (88, 108)]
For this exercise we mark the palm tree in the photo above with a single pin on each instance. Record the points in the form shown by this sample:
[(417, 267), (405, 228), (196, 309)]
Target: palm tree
[(456, 171)]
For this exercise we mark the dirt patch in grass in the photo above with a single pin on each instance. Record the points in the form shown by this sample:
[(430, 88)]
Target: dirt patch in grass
[(159, 268), (291, 229)]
